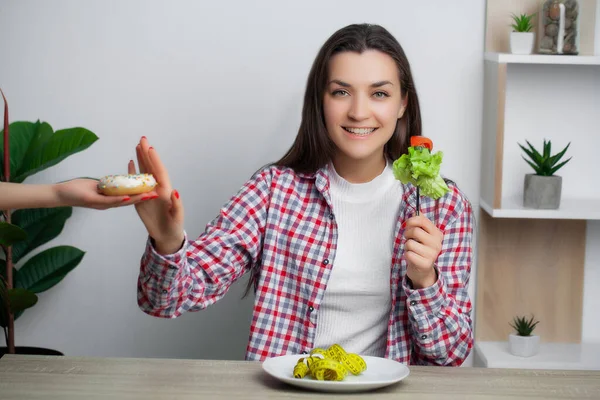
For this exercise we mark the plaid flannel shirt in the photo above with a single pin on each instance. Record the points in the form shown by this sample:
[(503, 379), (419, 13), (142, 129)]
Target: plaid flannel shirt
[(281, 226)]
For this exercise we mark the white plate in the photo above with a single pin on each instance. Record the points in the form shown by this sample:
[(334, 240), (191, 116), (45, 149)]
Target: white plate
[(380, 372)]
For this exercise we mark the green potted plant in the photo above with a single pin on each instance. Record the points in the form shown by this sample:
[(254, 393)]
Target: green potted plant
[(523, 343), (542, 190), (522, 39), (26, 149)]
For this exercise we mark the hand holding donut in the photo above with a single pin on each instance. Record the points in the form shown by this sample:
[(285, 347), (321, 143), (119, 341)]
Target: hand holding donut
[(84, 193), (162, 215)]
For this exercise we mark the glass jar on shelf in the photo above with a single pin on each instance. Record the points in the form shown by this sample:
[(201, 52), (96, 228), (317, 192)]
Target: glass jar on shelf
[(558, 27)]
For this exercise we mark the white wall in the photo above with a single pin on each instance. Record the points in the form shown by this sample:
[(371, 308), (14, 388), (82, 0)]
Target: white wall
[(217, 88), (597, 31)]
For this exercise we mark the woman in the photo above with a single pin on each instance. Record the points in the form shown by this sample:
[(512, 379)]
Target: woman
[(335, 251)]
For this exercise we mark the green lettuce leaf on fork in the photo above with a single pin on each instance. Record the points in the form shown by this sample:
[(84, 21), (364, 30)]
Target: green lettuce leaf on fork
[(422, 169)]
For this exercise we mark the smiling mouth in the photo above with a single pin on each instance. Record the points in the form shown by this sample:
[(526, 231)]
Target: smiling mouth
[(360, 131)]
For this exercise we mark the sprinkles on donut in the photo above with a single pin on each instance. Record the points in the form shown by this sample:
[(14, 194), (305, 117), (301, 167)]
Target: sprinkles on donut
[(120, 185)]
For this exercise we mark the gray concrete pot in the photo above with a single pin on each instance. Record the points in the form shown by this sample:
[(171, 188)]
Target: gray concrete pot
[(542, 192)]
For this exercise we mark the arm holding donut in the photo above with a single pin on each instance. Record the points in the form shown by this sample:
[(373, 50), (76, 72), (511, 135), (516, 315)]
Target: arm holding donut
[(75, 193)]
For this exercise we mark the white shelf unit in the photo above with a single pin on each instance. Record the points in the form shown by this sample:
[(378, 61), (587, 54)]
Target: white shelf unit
[(507, 58), (535, 97), (564, 356), (586, 209), (534, 261)]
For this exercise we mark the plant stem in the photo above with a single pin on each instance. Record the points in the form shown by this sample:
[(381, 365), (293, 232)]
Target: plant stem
[(4, 296), (10, 337)]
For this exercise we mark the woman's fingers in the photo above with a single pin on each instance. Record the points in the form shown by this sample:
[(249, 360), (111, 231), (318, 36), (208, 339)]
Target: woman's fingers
[(131, 167), (418, 234), (152, 164), (421, 221), (418, 261), (145, 145), (176, 206), (140, 158), (104, 202), (160, 172)]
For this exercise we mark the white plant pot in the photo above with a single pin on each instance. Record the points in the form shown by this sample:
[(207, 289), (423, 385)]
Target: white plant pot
[(523, 346), (522, 42)]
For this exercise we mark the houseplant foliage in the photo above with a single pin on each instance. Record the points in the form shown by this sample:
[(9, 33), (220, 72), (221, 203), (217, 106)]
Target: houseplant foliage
[(28, 148), (522, 22), (523, 343), (544, 164), (524, 326), (522, 39)]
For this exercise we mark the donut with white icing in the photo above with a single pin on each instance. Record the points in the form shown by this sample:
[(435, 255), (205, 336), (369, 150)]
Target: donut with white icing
[(121, 185)]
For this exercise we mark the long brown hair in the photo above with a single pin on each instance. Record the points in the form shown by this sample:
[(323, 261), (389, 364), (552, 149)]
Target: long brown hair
[(313, 148)]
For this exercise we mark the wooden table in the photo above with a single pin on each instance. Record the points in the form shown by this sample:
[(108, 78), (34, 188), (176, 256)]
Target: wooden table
[(48, 377)]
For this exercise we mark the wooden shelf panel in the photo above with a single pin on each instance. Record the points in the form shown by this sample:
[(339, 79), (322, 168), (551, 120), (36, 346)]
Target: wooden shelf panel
[(530, 266)]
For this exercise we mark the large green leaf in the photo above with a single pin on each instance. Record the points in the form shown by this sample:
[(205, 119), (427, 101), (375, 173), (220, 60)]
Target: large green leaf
[(4, 295), (20, 136), (3, 271), (46, 269), (19, 311), (42, 135), (48, 150), (10, 234), (21, 299), (41, 226)]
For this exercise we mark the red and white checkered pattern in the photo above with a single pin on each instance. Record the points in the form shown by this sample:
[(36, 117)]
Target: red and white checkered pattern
[(281, 225)]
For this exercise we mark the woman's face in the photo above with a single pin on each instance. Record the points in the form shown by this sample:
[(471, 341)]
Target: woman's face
[(362, 104)]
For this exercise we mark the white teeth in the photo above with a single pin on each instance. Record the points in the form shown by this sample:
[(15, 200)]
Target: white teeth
[(360, 131)]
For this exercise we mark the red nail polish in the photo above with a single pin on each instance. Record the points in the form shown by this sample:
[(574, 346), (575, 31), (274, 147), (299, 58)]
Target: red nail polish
[(145, 197), (126, 198), (176, 193), (143, 137), (151, 148), (154, 197)]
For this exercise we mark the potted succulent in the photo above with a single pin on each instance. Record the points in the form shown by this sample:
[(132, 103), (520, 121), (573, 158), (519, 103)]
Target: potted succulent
[(522, 38), (523, 343), (542, 190), (27, 148)]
